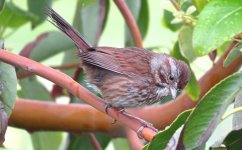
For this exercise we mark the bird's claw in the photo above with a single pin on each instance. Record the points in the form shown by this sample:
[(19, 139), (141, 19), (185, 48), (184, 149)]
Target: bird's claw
[(145, 124)]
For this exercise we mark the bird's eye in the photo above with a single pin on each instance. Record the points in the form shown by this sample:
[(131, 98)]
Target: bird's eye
[(171, 77)]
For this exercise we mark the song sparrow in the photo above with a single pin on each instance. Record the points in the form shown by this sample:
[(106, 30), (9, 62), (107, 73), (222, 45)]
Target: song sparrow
[(127, 77)]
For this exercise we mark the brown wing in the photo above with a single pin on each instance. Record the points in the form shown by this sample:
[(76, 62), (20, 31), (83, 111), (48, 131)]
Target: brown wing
[(128, 61)]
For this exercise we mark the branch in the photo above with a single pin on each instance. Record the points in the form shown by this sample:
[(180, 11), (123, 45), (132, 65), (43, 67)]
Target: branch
[(73, 87), (129, 19)]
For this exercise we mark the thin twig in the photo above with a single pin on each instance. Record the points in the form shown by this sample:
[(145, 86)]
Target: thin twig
[(94, 142), (130, 21)]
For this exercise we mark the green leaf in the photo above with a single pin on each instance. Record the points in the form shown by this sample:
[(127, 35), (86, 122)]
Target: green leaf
[(218, 22), (47, 140), (185, 42), (234, 53), (31, 88), (162, 138), (143, 20), (208, 112), (14, 17), (8, 86), (199, 4), (82, 22), (192, 88), (1, 4), (53, 43), (83, 142), (36, 7), (233, 140)]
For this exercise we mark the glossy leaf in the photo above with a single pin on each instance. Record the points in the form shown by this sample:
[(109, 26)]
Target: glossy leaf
[(218, 22), (37, 7), (14, 17), (185, 42), (192, 88), (143, 20), (54, 43), (162, 138), (234, 53), (8, 86), (1, 4), (205, 117), (31, 88), (233, 140)]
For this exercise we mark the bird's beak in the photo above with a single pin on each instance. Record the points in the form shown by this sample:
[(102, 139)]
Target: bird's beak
[(173, 92)]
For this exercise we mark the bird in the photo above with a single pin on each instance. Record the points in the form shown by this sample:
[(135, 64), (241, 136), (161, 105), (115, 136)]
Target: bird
[(126, 77)]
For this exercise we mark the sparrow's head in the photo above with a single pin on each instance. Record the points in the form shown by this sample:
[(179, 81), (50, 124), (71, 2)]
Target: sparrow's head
[(170, 75)]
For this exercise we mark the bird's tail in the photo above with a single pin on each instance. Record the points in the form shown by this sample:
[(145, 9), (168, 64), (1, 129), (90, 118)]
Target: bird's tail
[(64, 26)]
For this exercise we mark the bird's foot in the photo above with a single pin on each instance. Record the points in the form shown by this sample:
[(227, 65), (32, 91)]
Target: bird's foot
[(142, 122)]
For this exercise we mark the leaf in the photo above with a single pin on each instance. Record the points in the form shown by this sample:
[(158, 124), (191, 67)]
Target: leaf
[(8, 90), (31, 88), (162, 138), (233, 140), (234, 53), (82, 142), (192, 88), (14, 17), (185, 42), (53, 43), (82, 22), (218, 22), (143, 19), (47, 140), (8, 86), (199, 4), (36, 7), (1, 4), (208, 112)]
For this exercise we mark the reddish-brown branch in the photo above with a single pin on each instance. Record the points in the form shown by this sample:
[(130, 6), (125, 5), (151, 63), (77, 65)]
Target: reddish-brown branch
[(73, 87), (40, 115), (130, 21)]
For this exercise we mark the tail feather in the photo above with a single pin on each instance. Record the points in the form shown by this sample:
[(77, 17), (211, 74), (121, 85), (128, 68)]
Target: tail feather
[(64, 26)]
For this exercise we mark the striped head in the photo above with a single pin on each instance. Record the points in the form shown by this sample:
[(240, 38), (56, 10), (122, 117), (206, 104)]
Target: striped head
[(170, 75)]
